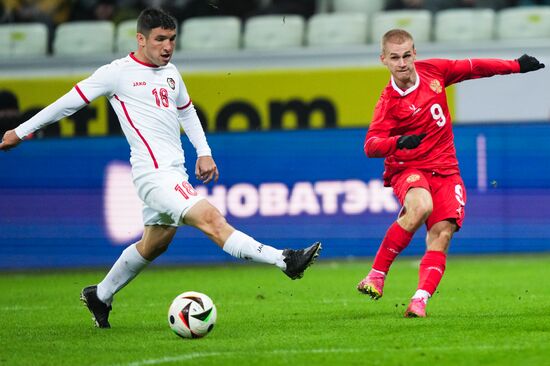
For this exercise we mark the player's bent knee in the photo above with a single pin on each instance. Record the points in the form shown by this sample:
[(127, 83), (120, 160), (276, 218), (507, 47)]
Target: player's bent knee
[(155, 240), (419, 213)]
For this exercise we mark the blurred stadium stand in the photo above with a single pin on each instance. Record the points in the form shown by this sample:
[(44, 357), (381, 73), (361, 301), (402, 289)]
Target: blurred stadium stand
[(524, 23), (330, 39), (358, 6), (337, 29), (416, 22), (264, 32), (210, 33), (23, 40), (84, 38), (125, 34), (337, 22), (464, 25)]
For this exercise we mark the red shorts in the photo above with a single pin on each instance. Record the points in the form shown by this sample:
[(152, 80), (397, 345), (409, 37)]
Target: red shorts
[(447, 191)]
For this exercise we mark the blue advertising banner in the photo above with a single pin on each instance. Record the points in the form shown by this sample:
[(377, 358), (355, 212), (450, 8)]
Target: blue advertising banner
[(71, 203)]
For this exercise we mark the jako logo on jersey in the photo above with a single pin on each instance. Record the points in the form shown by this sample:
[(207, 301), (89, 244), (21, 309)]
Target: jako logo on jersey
[(435, 85), (171, 83), (140, 83), (415, 110)]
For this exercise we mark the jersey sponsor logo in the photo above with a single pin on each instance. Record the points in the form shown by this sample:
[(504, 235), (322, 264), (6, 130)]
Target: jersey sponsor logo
[(413, 178), (414, 109), (140, 83), (435, 85), (171, 83)]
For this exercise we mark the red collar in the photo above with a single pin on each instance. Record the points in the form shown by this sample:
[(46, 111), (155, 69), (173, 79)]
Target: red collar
[(141, 62)]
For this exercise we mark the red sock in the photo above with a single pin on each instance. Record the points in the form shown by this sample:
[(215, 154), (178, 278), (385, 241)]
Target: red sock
[(394, 242), (432, 267)]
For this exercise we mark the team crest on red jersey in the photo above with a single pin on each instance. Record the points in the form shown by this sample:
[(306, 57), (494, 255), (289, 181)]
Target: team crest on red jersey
[(171, 83), (435, 85), (413, 178)]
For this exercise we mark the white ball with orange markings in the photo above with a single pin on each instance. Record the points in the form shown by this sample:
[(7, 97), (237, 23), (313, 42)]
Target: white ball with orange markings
[(192, 315)]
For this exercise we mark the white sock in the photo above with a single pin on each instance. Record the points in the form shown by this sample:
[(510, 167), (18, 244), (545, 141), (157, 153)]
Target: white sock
[(422, 294), (377, 271), (127, 266), (242, 246)]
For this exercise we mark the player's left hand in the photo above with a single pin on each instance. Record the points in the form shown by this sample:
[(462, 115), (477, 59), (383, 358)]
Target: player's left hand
[(9, 141), (529, 63), (206, 169), (410, 141)]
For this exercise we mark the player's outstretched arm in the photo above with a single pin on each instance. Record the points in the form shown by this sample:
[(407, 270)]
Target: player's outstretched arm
[(67, 105), (9, 140), (206, 169), (529, 63)]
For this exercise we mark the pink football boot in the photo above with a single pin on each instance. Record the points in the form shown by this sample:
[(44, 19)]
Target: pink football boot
[(372, 285), (416, 309)]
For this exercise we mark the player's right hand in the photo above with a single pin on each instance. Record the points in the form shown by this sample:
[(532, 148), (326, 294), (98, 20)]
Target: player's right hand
[(9, 141), (206, 169), (410, 141)]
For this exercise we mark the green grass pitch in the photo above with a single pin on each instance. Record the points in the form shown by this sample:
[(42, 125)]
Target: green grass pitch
[(488, 311)]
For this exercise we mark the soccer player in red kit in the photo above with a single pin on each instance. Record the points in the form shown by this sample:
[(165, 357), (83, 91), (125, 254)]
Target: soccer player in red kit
[(412, 130)]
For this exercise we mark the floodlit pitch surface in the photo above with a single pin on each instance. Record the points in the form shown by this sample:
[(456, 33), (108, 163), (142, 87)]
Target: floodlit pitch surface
[(489, 311)]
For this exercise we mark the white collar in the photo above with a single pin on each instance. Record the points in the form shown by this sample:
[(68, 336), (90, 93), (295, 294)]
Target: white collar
[(408, 91)]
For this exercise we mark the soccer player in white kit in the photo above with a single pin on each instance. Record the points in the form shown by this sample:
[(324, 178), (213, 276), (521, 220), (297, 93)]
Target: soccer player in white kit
[(151, 102)]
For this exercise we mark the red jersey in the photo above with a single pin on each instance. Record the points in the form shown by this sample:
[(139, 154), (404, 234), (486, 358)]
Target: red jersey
[(423, 109)]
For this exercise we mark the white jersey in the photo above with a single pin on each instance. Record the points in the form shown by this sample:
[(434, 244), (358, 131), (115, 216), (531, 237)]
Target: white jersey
[(151, 102)]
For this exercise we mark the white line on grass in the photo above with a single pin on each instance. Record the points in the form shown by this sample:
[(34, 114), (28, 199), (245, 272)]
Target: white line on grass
[(197, 355), (24, 308)]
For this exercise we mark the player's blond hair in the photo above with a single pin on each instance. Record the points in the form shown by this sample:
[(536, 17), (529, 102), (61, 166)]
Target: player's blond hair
[(395, 36)]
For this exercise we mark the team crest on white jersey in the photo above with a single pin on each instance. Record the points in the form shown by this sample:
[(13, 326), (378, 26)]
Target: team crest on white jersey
[(435, 85), (171, 83)]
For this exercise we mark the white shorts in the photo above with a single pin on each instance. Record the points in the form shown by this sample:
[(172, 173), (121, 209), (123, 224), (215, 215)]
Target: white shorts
[(167, 196)]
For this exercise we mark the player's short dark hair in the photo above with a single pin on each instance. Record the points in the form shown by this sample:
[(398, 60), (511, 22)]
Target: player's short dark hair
[(396, 36), (151, 18)]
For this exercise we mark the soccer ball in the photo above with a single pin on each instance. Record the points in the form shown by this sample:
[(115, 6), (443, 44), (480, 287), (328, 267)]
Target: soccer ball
[(192, 315)]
